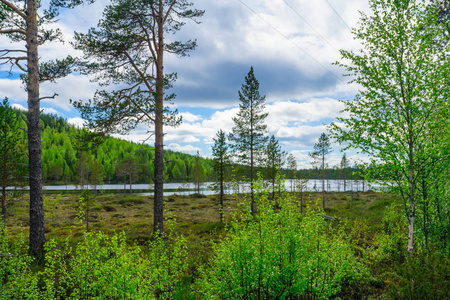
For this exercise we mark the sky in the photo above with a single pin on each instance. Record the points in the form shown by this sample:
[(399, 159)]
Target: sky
[(291, 45)]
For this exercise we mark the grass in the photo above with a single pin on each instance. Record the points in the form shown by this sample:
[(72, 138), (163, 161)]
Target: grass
[(197, 216), (134, 213)]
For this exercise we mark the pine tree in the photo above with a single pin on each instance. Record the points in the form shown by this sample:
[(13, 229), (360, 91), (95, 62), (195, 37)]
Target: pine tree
[(344, 165), (221, 161), (321, 149), (21, 21), (128, 47), (249, 131)]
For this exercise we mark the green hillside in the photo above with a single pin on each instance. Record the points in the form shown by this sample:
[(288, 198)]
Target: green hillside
[(62, 163)]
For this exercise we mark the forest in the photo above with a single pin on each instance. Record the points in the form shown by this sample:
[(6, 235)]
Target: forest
[(61, 160), (268, 242)]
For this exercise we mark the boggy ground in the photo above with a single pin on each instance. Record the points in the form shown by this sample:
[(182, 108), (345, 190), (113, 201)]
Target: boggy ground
[(197, 216)]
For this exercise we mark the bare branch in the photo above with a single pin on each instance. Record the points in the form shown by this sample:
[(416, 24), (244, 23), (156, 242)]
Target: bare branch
[(6, 51), (49, 97), (24, 119), (168, 11), (14, 8), (20, 66)]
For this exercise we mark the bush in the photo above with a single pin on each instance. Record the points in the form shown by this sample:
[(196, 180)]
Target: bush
[(17, 281), (100, 267), (279, 255), (423, 275)]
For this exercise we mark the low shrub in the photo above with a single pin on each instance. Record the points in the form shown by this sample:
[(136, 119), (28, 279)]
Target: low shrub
[(279, 255)]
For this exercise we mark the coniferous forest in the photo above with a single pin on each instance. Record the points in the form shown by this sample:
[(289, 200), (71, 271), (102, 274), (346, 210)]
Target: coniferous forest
[(265, 241)]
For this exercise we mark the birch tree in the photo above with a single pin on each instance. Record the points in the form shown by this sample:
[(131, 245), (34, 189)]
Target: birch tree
[(403, 97)]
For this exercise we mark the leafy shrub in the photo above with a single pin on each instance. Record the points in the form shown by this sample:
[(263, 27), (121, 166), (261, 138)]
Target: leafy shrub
[(423, 275), (279, 255), (17, 281), (100, 267)]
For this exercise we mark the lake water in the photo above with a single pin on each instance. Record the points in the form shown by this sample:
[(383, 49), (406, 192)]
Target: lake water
[(189, 188)]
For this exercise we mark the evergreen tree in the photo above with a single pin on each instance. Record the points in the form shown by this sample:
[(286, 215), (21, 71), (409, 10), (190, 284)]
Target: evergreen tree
[(274, 160), (12, 156), (344, 165), (321, 149), (292, 167), (20, 21), (128, 47), (249, 131), (221, 161)]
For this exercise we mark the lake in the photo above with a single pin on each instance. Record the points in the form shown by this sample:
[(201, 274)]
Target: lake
[(189, 188)]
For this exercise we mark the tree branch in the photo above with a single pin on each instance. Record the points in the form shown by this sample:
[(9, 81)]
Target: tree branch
[(14, 8), (49, 97), (13, 31)]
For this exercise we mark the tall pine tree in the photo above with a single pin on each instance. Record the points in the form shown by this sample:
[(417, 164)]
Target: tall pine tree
[(128, 48), (249, 131), (25, 24)]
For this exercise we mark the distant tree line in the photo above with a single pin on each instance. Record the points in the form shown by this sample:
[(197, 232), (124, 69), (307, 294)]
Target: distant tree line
[(62, 163)]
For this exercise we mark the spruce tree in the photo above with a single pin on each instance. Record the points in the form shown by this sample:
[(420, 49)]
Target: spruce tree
[(321, 149), (292, 167), (221, 160), (249, 131)]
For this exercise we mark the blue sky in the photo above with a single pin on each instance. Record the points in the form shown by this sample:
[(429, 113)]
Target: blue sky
[(292, 60)]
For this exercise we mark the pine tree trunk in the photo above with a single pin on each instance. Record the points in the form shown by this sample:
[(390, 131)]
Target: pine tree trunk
[(221, 192), (158, 219), (4, 191), (323, 181), (37, 229)]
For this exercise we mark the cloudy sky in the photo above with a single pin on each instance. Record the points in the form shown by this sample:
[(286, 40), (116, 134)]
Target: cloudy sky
[(290, 43)]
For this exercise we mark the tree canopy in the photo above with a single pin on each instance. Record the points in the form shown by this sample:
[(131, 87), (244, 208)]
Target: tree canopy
[(400, 116)]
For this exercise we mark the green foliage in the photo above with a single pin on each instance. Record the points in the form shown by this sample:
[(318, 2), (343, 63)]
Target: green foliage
[(274, 160), (99, 267), (60, 157), (279, 255), (12, 153), (249, 130), (424, 275), (399, 118), (17, 280), (391, 244)]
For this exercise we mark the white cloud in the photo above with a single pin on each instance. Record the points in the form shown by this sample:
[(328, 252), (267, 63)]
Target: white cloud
[(77, 122), (189, 117), (49, 110), (19, 107), (13, 89), (187, 148)]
